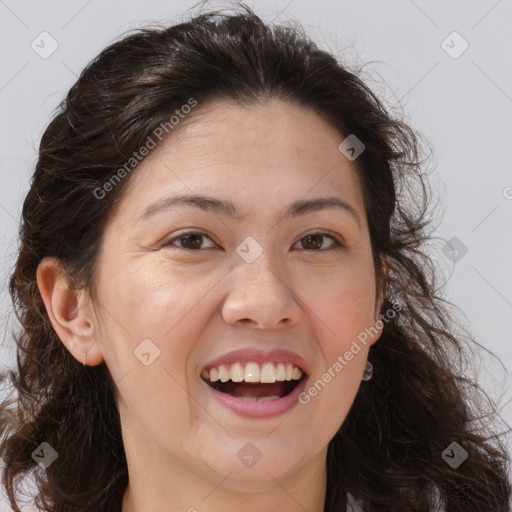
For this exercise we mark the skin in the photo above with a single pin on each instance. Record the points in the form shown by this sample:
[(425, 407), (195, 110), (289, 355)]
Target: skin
[(198, 301)]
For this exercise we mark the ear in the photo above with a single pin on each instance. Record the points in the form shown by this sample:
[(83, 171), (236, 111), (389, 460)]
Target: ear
[(382, 295), (72, 317), (379, 301)]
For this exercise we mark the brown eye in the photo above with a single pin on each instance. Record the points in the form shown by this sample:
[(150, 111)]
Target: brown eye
[(313, 242), (189, 241), (192, 241)]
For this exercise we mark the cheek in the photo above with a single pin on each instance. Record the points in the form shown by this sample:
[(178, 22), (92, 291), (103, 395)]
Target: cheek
[(157, 306), (343, 307), (155, 299), (149, 303), (342, 304)]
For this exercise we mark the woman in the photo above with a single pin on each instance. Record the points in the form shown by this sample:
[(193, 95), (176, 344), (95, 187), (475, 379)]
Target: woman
[(223, 294)]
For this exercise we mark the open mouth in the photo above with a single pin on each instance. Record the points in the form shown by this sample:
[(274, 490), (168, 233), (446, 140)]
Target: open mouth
[(255, 382), (256, 391)]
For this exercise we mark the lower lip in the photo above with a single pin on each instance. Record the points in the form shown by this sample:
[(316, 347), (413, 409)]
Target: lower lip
[(267, 409)]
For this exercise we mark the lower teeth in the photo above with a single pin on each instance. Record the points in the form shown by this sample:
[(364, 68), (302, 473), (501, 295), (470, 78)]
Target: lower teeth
[(257, 399)]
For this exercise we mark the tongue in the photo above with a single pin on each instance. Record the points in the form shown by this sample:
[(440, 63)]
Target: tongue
[(254, 389)]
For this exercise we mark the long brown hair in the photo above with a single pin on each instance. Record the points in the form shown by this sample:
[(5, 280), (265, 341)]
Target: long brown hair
[(388, 452)]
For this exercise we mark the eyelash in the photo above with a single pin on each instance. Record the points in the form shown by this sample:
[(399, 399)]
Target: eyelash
[(337, 244)]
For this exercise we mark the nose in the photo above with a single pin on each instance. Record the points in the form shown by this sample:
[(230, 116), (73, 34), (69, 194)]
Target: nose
[(261, 295)]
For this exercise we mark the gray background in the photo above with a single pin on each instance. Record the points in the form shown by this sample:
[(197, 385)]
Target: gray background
[(462, 105)]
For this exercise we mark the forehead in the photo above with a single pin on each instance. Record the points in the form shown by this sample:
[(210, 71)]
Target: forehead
[(254, 154), (274, 125)]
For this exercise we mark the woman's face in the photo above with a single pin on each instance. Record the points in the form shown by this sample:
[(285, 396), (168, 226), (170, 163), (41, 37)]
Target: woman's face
[(172, 305)]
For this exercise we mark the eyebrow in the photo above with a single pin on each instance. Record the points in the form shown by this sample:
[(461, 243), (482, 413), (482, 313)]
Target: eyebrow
[(228, 209)]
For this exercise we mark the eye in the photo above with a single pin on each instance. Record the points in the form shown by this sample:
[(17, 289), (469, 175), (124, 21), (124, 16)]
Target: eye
[(314, 240), (191, 240)]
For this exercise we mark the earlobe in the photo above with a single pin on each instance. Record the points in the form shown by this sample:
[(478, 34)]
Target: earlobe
[(68, 313)]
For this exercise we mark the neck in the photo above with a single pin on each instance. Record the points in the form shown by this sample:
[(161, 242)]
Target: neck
[(184, 491)]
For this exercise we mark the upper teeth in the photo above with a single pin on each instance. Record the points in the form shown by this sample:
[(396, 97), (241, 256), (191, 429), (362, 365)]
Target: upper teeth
[(253, 373)]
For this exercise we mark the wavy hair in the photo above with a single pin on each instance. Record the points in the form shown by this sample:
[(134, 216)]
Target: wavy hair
[(388, 452)]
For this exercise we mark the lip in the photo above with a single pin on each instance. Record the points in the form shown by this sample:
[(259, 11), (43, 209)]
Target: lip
[(259, 356), (267, 409)]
